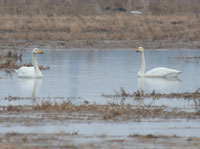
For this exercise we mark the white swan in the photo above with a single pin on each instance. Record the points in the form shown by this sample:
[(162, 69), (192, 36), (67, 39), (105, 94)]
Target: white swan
[(31, 72), (156, 72)]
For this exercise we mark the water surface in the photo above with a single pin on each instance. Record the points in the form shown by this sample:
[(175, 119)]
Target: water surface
[(90, 73)]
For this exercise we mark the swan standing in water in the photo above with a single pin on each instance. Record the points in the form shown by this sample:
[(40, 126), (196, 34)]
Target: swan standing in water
[(156, 72), (31, 72)]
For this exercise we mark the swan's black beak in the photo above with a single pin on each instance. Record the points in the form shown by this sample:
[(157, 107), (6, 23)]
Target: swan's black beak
[(137, 51), (41, 52)]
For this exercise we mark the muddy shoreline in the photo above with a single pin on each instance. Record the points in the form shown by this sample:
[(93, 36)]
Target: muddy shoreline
[(98, 44)]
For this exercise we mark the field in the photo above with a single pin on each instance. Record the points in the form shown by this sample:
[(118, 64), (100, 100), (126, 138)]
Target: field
[(90, 30), (79, 24)]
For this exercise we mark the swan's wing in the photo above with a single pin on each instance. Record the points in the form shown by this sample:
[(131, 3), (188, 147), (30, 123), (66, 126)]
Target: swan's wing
[(26, 72), (162, 72)]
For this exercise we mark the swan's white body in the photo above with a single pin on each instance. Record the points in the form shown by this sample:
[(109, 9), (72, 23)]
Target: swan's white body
[(31, 72), (156, 72)]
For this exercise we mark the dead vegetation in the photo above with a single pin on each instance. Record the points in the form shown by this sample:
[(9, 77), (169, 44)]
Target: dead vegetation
[(11, 54), (69, 141), (13, 98), (151, 136), (155, 95), (12, 64), (101, 27), (10, 61), (105, 112), (22, 140)]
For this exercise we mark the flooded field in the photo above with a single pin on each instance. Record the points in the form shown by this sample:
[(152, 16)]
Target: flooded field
[(80, 103)]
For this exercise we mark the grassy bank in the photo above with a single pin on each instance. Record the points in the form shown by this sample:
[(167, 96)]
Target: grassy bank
[(103, 27)]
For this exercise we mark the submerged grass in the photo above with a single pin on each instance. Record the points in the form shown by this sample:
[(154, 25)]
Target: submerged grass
[(189, 59)]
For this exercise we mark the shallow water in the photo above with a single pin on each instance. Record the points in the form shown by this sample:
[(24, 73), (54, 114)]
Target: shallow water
[(182, 128), (90, 73)]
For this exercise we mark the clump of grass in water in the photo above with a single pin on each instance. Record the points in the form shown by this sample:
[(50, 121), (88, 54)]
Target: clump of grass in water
[(13, 98), (9, 64), (124, 93), (11, 54), (12, 64), (107, 112), (151, 136), (186, 95)]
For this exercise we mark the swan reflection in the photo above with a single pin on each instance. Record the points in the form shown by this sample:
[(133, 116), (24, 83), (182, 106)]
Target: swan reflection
[(158, 84), (30, 85)]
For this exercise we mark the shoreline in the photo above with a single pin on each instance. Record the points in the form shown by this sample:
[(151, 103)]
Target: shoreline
[(99, 44)]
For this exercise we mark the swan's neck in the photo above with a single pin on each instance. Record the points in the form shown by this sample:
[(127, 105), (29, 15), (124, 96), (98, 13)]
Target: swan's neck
[(35, 64), (142, 70)]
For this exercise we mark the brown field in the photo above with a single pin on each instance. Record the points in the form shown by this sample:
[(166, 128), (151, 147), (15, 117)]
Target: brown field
[(86, 23), (110, 27)]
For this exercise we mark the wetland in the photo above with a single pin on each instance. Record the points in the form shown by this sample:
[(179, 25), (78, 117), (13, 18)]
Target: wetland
[(92, 98)]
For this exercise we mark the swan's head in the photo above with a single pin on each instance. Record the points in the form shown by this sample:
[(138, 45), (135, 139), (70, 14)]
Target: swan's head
[(37, 51), (140, 49)]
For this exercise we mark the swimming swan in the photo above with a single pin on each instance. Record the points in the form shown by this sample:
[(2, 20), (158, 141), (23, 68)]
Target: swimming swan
[(31, 72), (156, 72)]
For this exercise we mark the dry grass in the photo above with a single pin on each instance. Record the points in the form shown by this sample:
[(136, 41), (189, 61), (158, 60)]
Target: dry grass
[(155, 95), (102, 27), (11, 54), (151, 136), (10, 61), (12, 64), (22, 141), (9, 64), (105, 112)]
